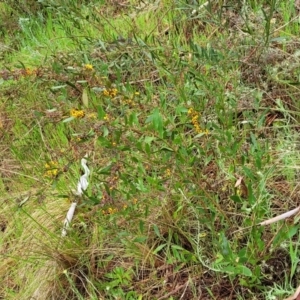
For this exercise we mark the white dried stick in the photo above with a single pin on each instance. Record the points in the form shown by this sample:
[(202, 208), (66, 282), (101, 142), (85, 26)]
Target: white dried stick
[(280, 217), (81, 187)]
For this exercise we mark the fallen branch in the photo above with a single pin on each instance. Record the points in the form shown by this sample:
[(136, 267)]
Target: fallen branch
[(280, 217)]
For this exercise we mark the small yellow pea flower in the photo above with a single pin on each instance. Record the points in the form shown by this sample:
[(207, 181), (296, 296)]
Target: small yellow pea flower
[(29, 71), (190, 111), (110, 92), (92, 116), (106, 117), (113, 93), (88, 67), (105, 92), (51, 169), (168, 172), (77, 113)]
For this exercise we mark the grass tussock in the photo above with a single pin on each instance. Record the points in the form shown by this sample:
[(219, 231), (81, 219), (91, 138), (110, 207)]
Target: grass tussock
[(188, 116)]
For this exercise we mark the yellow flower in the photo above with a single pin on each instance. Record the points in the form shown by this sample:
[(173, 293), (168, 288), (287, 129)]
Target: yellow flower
[(51, 169), (105, 92), (113, 92), (28, 72), (77, 113), (168, 172), (106, 117), (190, 111), (110, 92), (195, 121), (129, 102), (92, 116), (88, 67), (111, 210)]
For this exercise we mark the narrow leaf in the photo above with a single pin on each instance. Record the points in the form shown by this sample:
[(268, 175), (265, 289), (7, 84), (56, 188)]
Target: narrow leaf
[(68, 119), (160, 247), (58, 87), (156, 230), (85, 99)]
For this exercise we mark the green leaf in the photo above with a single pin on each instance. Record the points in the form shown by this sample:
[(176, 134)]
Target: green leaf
[(141, 226), (292, 231), (248, 173), (105, 170), (166, 149), (68, 119), (225, 246), (181, 109), (199, 135), (58, 87), (176, 253), (134, 159), (229, 270), (105, 131), (149, 139), (157, 121), (85, 99), (177, 247), (133, 119), (103, 141), (243, 270), (156, 230), (147, 149), (160, 247), (101, 112), (140, 239), (236, 199)]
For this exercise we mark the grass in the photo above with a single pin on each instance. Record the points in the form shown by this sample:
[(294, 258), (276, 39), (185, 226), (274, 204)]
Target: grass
[(189, 116)]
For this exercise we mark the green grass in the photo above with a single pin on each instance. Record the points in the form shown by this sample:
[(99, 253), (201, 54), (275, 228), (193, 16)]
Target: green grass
[(189, 117)]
